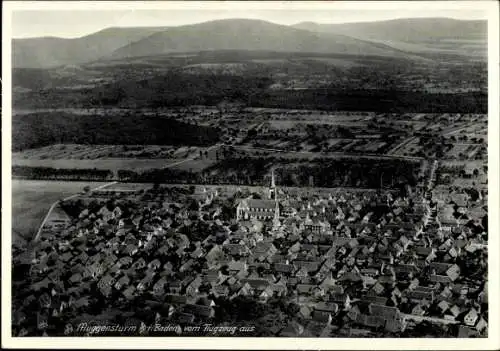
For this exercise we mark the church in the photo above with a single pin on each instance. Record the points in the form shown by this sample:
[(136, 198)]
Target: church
[(262, 209)]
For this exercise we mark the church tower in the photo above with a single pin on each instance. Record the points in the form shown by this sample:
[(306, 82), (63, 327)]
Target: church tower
[(276, 219), (272, 188)]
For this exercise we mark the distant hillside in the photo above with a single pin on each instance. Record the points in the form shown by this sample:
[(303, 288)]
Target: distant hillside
[(415, 34), (231, 34), (408, 30), (243, 34), (51, 52)]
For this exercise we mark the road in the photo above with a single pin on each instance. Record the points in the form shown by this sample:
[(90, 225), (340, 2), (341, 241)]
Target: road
[(39, 231), (190, 158), (453, 130), (333, 154), (401, 145)]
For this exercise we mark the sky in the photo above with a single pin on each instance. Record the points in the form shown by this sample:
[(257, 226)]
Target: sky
[(77, 23)]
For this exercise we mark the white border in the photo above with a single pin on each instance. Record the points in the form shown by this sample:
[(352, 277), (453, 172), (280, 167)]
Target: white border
[(493, 342)]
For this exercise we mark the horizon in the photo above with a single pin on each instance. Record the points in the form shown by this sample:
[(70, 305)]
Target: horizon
[(53, 25)]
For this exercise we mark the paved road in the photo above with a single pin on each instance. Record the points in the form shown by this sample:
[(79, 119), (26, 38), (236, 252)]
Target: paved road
[(39, 232)]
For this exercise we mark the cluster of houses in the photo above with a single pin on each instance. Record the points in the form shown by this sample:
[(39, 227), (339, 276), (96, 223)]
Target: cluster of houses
[(365, 260)]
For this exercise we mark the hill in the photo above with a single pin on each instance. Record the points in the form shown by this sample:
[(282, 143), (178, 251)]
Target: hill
[(230, 34), (251, 35), (415, 34), (51, 52)]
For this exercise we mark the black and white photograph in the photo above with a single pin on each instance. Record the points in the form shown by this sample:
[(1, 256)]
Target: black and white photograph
[(225, 171)]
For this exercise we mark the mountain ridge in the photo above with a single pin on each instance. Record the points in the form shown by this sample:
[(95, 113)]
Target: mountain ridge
[(362, 38)]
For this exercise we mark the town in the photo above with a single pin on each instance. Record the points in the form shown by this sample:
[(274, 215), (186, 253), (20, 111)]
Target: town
[(290, 261)]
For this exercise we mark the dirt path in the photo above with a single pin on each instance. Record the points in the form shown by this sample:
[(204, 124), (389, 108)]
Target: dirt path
[(39, 231)]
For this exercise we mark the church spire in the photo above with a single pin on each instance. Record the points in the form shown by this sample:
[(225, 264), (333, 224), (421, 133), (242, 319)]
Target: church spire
[(272, 188)]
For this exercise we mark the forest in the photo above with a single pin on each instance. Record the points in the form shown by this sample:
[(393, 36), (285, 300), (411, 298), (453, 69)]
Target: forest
[(378, 85), (396, 101), (42, 129)]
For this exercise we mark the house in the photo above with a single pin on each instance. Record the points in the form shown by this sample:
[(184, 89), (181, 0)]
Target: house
[(130, 249), (386, 312), (186, 265), (236, 249), (305, 289), (341, 299), (129, 293), (481, 325), (122, 282), (329, 307), (42, 321), (257, 283), (175, 287), (448, 269), (175, 299), (471, 317), (185, 318), (293, 329), (466, 332), (105, 282), (144, 283), (193, 287), (155, 264), (215, 254), (443, 306), (237, 266), (139, 264), (322, 317), (266, 294), (305, 312), (45, 300), (76, 278), (263, 250), (125, 261), (200, 310), (421, 293), (220, 290), (159, 286)]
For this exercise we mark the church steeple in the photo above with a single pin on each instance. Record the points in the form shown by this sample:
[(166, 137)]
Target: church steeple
[(272, 188)]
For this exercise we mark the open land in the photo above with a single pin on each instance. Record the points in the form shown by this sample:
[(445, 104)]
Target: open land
[(31, 199)]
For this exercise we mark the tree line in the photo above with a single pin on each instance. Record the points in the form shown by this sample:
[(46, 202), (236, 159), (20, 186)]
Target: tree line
[(61, 173), (321, 172)]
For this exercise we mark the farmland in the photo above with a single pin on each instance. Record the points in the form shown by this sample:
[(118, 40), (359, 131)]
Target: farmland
[(92, 152), (102, 164), (31, 199)]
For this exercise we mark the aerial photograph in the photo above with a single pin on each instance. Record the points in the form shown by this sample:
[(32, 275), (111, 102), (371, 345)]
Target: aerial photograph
[(258, 173)]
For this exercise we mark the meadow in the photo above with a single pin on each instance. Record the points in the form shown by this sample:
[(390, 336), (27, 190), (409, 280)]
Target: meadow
[(112, 164), (31, 199)]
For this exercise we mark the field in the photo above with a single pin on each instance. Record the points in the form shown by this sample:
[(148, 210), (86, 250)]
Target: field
[(32, 199), (92, 152), (112, 164)]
